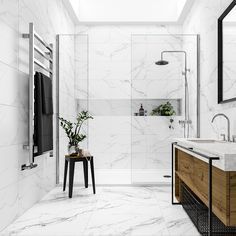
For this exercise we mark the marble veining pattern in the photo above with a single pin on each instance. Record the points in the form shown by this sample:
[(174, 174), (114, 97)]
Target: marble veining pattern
[(202, 19), (20, 190), (123, 211), (115, 72)]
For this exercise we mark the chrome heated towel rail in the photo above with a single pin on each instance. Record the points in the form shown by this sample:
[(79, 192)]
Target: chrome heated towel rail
[(47, 56)]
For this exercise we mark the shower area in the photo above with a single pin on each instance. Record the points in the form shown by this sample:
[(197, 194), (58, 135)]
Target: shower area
[(143, 93)]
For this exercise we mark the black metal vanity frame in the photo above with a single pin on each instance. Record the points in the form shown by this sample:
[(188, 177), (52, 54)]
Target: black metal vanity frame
[(210, 159)]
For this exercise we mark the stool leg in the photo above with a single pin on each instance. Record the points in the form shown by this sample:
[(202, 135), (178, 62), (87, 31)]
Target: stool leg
[(71, 178), (65, 175), (92, 173), (85, 165)]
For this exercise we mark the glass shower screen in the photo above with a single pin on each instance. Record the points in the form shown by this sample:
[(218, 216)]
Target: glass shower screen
[(160, 89)]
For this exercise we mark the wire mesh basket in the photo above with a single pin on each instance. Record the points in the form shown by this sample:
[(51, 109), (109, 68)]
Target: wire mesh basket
[(198, 213)]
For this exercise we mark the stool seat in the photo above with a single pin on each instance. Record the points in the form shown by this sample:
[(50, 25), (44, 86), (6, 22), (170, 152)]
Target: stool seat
[(71, 159), (77, 156)]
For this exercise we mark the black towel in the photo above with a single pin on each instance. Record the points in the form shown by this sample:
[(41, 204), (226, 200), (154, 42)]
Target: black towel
[(43, 120), (47, 95)]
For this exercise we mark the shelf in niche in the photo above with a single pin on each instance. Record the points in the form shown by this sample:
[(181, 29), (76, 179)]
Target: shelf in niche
[(150, 104), (125, 106), (157, 116), (161, 117)]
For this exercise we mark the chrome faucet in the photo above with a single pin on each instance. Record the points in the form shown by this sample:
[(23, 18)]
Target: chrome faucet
[(228, 123)]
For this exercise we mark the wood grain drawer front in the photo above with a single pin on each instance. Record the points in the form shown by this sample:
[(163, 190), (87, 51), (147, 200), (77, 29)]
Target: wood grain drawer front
[(200, 177), (232, 200), (194, 173), (185, 165), (220, 195)]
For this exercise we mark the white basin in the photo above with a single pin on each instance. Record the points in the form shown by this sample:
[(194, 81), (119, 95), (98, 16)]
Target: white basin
[(205, 141), (226, 151)]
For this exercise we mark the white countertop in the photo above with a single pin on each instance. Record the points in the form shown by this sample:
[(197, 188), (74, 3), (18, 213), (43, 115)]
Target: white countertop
[(226, 151)]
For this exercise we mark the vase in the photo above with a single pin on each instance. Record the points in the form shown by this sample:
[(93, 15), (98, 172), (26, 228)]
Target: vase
[(78, 149), (72, 149)]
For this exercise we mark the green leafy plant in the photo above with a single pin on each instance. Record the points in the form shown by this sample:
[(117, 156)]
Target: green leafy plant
[(73, 129), (165, 109)]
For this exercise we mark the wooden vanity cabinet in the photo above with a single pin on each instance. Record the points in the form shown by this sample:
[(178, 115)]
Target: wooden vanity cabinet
[(194, 173)]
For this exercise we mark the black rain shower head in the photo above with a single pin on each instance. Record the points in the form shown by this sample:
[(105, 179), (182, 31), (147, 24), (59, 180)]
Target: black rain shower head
[(162, 63)]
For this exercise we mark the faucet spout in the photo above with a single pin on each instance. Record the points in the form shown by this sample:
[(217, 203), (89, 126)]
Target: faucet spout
[(228, 123)]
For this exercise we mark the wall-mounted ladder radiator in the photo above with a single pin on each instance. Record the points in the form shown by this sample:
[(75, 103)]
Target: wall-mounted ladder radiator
[(33, 36)]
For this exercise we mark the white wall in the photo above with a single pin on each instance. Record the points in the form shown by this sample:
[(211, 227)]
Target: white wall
[(131, 149), (202, 19), (20, 190), (67, 102)]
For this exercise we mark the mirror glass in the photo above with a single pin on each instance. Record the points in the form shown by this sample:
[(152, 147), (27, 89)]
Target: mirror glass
[(229, 55)]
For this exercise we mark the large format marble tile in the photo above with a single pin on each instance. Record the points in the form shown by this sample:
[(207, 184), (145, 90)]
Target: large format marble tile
[(111, 89), (8, 205), (14, 125), (9, 45), (116, 72), (109, 70), (16, 85), (115, 52), (113, 211), (19, 190)]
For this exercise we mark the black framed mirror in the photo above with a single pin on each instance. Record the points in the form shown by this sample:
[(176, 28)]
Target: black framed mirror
[(227, 55)]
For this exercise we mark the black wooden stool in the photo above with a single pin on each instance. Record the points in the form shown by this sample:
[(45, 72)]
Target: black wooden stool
[(71, 160)]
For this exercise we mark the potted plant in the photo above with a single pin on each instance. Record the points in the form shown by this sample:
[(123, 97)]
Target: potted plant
[(72, 130), (165, 109)]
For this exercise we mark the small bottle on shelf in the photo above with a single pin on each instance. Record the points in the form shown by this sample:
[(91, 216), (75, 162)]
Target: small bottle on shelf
[(141, 110)]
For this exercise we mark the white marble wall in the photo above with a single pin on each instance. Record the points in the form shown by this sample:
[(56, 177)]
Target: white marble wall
[(151, 136), (108, 73), (190, 45), (73, 91), (67, 100), (118, 74), (20, 190), (81, 79), (202, 19)]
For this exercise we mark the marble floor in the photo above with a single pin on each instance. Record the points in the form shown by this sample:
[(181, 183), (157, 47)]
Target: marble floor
[(113, 211)]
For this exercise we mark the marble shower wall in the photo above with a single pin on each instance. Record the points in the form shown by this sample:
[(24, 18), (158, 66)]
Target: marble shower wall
[(111, 90), (150, 135), (190, 45), (153, 85), (202, 19), (81, 79), (73, 89), (67, 99), (20, 190)]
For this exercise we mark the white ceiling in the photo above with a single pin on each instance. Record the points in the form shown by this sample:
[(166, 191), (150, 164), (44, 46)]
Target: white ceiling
[(129, 11)]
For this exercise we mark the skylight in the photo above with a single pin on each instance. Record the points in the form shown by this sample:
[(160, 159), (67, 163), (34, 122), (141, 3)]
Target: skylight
[(128, 10)]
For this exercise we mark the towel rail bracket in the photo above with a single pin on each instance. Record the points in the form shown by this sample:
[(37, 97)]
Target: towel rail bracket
[(28, 167)]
